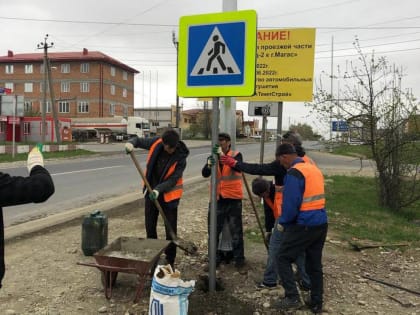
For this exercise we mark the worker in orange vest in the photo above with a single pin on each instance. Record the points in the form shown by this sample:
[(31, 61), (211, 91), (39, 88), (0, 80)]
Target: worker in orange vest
[(229, 199), (165, 166), (266, 190), (304, 224)]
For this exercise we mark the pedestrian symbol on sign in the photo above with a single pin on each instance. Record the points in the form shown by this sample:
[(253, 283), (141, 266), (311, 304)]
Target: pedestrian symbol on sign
[(215, 58)]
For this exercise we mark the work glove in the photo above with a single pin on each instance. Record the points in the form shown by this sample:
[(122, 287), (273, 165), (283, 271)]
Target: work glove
[(129, 147), (217, 150), (228, 160), (35, 158), (154, 195), (210, 161)]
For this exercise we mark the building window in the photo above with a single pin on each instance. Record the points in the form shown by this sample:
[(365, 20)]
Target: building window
[(125, 75), (155, 123), (84, 87), (9, 85), (29, 87), (64, 107), (112, 109), (9, 69), (47, 106), (26, 128), (84, 68), (2, 127), (65, 86), (65, 68), (27, 106), (112, 89), (124, 92), (112, 71), (29, 69), (83, 107)]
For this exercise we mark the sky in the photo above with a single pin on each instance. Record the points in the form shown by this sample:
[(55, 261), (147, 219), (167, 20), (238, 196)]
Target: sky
[(140, 34)]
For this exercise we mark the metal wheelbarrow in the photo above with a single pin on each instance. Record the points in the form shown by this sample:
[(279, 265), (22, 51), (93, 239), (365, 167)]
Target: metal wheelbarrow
[(129, 255)]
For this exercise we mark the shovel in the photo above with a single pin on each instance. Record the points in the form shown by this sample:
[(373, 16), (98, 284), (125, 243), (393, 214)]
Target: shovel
[(186, 246)]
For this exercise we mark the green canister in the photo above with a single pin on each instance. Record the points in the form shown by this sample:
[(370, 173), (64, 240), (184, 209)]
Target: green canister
[(94, 232)]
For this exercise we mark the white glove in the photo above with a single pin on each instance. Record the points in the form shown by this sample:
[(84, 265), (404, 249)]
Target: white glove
[(34, 158), (154, 195), (220, 152), (129, 147)]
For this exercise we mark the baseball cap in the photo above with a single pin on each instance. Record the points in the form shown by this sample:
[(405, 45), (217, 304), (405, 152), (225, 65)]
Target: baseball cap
[(224, 136), (285, 148)]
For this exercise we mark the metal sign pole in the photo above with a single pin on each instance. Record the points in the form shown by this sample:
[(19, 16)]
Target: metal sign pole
[(213, 199), (262, 140), (14, 127), (279, 123)]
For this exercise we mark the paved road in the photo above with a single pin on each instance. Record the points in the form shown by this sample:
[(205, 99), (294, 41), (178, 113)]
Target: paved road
[(84, 184)]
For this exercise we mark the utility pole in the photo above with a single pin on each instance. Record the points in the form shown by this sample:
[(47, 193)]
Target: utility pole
[(332, 91), (175, 42), (53, 108), (47, 75), (44, 45)]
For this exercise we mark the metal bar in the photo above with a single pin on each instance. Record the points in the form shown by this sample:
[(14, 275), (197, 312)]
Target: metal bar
[(255, 210), (392, 285)]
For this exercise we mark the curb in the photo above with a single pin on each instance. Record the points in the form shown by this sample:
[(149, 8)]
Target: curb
[(55, 220)]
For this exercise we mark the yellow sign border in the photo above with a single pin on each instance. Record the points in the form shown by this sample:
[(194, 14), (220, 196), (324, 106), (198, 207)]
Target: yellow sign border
[(245, 89)]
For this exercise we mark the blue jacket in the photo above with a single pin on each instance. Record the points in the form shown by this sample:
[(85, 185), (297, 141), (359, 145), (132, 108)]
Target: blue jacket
[(294, 186)]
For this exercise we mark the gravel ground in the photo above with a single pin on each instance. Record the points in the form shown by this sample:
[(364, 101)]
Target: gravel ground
[(43, 276)]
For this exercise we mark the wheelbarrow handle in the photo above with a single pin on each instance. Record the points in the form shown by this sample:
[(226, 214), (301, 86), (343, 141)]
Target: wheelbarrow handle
[(107, 268)]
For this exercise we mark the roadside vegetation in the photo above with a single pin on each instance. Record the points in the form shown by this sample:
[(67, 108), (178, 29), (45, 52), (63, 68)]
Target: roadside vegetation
[(47, 155), (354, 214), (364, 151)]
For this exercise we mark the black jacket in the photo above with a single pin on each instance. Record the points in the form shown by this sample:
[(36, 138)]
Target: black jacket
[(180, 156), (17, 190), (267, 169)]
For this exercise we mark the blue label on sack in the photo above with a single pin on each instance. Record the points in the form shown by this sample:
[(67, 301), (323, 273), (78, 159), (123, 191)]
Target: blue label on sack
[(163, 289)]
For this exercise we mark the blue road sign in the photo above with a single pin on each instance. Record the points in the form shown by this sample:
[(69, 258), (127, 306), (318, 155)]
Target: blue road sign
[(216, 54), (340, 126)]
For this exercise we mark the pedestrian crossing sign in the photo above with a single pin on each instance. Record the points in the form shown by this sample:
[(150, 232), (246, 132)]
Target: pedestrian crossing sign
[(217, 54)]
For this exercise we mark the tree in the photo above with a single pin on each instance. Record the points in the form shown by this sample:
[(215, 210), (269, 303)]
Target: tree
[(305, 131), (373, 97)]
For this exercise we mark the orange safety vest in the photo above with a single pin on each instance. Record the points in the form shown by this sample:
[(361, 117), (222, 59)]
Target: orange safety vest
[(314, 194), (307, 159), (229, 181), (272, 206), (278, 198), (176, 191)]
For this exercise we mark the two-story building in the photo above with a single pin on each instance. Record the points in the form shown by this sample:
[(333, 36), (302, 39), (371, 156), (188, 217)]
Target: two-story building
[(84, 84)]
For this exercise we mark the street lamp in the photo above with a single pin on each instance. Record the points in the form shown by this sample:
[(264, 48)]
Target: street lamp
[(175, 42)]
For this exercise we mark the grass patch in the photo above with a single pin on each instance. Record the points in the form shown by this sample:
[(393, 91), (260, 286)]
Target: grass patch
[(354, 213), (352, 205), (353, 150), (47, 155)]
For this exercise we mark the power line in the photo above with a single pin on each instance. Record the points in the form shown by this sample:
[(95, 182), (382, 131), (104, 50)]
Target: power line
[(176, 25)]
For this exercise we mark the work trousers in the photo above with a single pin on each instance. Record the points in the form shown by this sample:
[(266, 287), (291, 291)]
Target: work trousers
[(298, 239), (271, 272), (230, 210), (151, 217)]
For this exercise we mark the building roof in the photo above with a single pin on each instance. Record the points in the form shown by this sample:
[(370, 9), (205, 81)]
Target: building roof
[(83, 55)]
